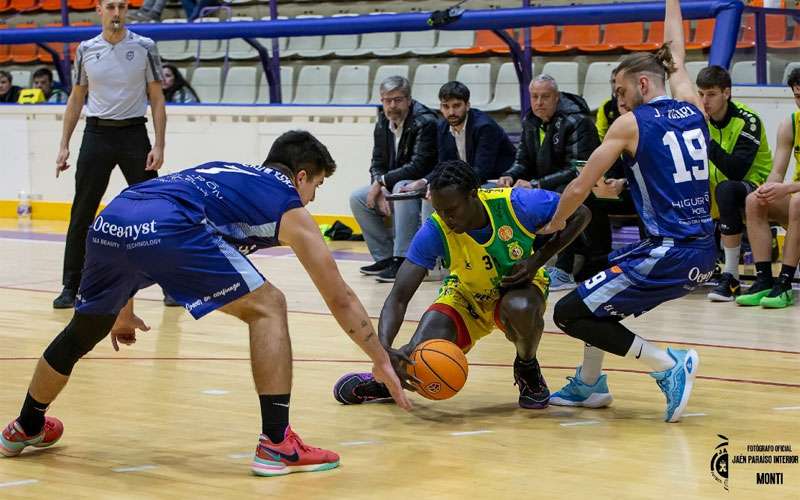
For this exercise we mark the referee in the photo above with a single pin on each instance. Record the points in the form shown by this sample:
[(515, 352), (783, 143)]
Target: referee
[(119, 71)]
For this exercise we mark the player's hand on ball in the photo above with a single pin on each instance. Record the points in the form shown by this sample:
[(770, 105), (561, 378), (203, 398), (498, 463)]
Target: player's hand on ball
[(384, 373), (553, 226), (400, 362), (124, 331)]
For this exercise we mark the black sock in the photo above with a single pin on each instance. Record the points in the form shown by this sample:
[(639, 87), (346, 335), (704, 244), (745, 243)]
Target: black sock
[(786, 275), (525, 364), (31, 417), (764, 271), (274, 416)]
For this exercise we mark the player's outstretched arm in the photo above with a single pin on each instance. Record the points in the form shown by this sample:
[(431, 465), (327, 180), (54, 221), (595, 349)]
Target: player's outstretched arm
[(680, 83), (621, 136), (301, 233)]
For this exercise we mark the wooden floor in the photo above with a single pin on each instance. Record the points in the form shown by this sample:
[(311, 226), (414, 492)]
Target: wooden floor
[(176, 415)]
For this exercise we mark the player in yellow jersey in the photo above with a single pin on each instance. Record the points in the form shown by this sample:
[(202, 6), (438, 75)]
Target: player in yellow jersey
[(777, 200), (486, 238)]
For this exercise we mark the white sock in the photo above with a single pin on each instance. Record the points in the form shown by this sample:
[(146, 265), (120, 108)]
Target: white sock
[(732, 260), (656, 358), (592, 364)]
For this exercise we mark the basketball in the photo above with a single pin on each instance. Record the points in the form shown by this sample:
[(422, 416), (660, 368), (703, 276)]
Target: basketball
[(441, 368)]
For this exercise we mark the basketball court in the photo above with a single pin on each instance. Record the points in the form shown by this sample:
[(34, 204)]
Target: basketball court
[(176, 414)]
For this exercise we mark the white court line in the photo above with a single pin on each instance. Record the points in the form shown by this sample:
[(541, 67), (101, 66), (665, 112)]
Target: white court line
[(357, 443), (215, 392), (786, 408), (240, 455), (579, 422), (18, 483), (695, 415), (135, 468), (470, 433)]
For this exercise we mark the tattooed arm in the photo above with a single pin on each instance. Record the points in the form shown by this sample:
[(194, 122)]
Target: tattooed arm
[(301, 233)]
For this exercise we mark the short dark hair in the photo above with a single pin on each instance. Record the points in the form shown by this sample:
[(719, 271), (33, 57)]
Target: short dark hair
[(43, 72), (714, 76), (8, 75), (794, 77), (454, 173), (454, 90), (299, 150)]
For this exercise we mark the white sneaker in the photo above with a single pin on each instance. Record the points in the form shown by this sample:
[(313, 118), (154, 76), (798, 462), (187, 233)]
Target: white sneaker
[(560, 280)]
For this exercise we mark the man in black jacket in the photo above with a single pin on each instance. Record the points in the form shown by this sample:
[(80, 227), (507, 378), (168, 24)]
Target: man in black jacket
[(556, 133), (404, 151), (472, 136)]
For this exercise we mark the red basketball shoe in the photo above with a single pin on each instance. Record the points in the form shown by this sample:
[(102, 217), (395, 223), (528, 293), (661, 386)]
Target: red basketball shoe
[(292, 455), (13, 439)]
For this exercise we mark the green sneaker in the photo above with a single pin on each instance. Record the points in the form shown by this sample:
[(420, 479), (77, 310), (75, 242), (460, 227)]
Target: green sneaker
[(778, 298), (757, 291)]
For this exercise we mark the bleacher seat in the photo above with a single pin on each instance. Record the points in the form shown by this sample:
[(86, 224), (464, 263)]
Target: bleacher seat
[(447, 41), (5, 7), (703, 34), (596, 87), (207, 82), (382, 73), (565, 73), (694, 67), (287, 85), (789, 43), (776, 30), (789, 68), (409, 43), (209, 50), (238, 49), (616, 36), (26, 6), (352, 85), (303, 46), (477, 77), (573, 37), (485, 41), (21, 78), (82, 4), (5, 50), (50, 5), (313, 85), (24, 53), (334, 43), (428, 79), (654, 40), (369, 43), (176, 50), (240, 85), (744, 72), (506, 90), (282, 41)]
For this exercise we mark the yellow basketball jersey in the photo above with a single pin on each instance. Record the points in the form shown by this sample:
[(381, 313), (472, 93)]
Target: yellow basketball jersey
[(796, 144)]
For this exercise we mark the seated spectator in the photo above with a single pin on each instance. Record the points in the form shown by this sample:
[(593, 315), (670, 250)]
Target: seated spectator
[(556, 133), (43, 80), (739, 161), (404, 151), (8, 93), (777, 200), (472, 136), (608, 111), (176, 88)]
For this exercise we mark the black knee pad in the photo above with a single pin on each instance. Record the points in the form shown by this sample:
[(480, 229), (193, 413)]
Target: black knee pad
[(79, 337), (731, 196), (570, 309)]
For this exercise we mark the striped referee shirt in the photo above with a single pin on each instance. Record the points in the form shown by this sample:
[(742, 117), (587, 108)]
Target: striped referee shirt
[(117, 75)]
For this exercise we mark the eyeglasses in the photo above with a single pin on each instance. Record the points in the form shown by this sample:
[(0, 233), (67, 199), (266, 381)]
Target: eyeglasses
[(393, 100)]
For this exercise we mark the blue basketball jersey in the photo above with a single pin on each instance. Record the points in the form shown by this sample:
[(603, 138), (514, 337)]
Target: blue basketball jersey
[(668, 177), (242, 203)]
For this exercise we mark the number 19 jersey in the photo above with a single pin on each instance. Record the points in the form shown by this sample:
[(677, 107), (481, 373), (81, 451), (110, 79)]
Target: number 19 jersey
[(668, 176)]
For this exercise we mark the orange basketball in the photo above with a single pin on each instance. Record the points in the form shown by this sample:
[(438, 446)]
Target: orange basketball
[(441, 368)]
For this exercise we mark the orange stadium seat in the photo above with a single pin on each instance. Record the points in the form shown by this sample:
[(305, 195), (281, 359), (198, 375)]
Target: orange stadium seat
[(616, 36), (485, 41), (5, 6), (703, 33), (574, 36), (540, 35), (655, 37), (776, 31), (792, 43), (135, 3), (26, 52), (50, 5), (25, 5), (82, 4)]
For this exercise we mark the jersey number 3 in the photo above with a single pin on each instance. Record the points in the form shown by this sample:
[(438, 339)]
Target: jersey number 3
[(696, 147)]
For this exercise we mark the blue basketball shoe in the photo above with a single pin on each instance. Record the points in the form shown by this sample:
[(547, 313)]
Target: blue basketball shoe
[(577, 393), (676, 383)]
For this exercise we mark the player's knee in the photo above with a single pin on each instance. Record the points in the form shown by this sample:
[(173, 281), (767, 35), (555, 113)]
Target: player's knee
[(78, 338), (522, 307), (265, 301), (568, 310), (754, 208), (794, 208), (357, 201)]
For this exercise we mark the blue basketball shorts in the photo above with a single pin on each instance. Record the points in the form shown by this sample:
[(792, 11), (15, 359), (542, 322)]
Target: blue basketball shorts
[(135, 243), (648, 273)]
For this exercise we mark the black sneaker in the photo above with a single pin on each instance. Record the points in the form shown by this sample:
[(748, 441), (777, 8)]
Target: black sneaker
[(376, 268), (357, 388), (66, 300), (170, 302), (533, 391), (727, 289), (390, 273)]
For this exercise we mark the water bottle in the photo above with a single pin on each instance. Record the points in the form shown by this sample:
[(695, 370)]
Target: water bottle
[(24, 206)]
